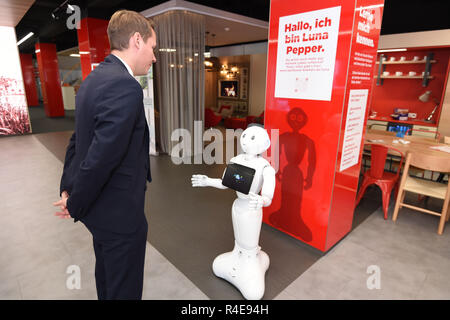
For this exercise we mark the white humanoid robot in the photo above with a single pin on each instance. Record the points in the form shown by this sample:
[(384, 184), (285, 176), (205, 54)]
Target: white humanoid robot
[(246, 265)]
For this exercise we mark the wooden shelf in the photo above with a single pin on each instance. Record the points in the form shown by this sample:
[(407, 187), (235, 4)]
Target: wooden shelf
[(403, 77), (426, 77), (407, 62)]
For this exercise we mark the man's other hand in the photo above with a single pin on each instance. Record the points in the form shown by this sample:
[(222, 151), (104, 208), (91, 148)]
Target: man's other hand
[(62, 204)]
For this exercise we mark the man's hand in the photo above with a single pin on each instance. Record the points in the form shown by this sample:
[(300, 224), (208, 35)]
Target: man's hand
[(62, 204)]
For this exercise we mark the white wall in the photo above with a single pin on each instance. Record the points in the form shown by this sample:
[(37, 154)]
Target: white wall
[(434, 38), (257, 90), (13, 103)]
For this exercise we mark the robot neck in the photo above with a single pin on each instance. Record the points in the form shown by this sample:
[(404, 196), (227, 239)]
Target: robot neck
[(251, 156)]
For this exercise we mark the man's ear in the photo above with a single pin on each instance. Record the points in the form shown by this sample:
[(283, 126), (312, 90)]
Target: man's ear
[(135, 40)]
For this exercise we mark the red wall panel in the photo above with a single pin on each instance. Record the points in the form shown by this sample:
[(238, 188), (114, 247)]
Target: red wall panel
[(26, 62), (93, 43), (50, 80), (314, 200), (404, 93)]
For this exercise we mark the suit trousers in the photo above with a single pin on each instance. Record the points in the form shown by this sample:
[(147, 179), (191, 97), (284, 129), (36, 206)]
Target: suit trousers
[(119, 265)]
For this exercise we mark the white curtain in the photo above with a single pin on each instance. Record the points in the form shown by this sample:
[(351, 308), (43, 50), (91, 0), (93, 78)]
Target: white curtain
[(179, 73)]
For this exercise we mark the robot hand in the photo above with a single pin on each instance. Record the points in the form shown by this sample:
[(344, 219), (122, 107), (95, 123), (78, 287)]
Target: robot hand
[(256, 201), (199, 180)]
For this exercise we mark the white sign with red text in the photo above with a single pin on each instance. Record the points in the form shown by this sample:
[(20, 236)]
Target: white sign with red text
[(306, 54), (354, 126)]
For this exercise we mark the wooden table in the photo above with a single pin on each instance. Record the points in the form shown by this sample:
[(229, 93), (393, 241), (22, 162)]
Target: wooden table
[(417, 144)]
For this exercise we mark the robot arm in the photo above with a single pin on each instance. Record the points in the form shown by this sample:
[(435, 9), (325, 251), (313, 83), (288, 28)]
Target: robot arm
[(199, 180), (268, 189)]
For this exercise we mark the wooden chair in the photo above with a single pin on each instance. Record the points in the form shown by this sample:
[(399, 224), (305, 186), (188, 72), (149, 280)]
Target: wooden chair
[(417, 138), (424, 187)]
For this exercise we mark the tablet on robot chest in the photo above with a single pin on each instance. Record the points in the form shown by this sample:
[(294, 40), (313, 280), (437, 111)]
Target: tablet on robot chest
[(238, 177)]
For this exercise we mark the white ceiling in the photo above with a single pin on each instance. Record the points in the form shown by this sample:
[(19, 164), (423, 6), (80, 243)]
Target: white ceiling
[(238, 32), (12, 11), (241, 29)]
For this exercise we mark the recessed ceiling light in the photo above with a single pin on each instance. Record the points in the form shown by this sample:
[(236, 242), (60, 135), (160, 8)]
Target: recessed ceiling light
[(392, 50), (29, 35)]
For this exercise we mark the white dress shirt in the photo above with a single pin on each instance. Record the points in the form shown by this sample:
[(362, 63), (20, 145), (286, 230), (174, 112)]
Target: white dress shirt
[(126, 65)]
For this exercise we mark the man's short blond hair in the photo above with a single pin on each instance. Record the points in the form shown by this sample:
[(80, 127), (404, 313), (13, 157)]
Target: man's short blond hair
[(123, 24)]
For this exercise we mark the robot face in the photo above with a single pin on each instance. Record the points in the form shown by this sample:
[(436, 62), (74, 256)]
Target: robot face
[(297, 118), (255, 140)]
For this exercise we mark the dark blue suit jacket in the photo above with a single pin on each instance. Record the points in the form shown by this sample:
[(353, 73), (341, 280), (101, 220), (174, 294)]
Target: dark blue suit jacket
[(107, 160)]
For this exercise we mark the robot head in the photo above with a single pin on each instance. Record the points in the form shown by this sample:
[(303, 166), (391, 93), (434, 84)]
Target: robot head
[(297, 118), (255, 140)]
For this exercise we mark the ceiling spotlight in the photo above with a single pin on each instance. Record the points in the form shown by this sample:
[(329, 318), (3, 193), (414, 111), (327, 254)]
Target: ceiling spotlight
[(60, 11)]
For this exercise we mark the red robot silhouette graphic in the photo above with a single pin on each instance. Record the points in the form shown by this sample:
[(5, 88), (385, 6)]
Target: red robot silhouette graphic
[(295, 146)]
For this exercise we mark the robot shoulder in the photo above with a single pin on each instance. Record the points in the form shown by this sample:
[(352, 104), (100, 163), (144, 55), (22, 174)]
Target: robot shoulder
[(264, 162), (269, 170), (237, 159)]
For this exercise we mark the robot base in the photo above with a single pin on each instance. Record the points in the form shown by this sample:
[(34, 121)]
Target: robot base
[(245, 269)]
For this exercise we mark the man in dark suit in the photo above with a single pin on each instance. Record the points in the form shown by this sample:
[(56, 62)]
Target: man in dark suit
[(107, 161)]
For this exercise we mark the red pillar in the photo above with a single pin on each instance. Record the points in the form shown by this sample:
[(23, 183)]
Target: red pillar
[(50, 80), (321, 59), (93, 43), (26, 62)]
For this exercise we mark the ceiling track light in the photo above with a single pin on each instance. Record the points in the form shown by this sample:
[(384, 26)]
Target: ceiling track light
[(62, 10)]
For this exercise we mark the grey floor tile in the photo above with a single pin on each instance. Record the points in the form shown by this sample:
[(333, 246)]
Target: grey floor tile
[(10, 289), (435, 287), (284, 295), (164, 282), (50, 282), (323, 280)]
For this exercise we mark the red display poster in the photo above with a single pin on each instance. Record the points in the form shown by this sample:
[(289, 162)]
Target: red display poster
[(320, 65)]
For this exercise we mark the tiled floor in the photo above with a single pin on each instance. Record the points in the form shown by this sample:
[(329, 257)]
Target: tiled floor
[(413, 262), (37, 248)]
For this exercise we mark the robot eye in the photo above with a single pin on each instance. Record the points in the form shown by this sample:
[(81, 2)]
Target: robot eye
[(253, 137), (243, 136)]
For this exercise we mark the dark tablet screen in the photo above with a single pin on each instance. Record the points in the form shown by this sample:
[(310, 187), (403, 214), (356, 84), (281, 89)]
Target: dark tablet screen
[(238, 177)]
